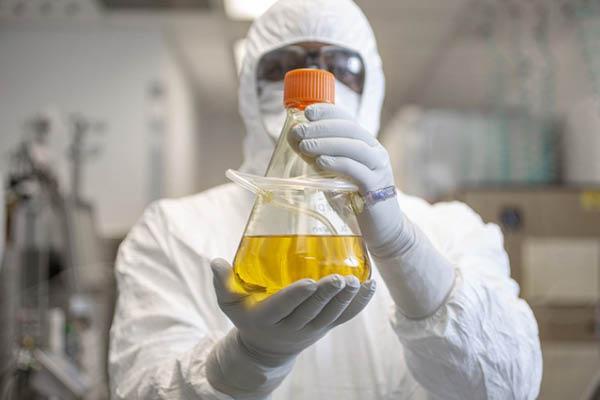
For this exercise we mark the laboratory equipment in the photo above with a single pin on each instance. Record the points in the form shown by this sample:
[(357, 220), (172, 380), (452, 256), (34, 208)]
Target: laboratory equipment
[(303, 223), (437, 151), (52, 264), (582, 143)]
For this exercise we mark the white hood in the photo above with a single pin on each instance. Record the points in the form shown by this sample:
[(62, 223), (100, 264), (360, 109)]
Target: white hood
[(338, 22)]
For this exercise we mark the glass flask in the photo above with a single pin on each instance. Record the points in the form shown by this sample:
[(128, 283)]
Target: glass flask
[(303, 223)]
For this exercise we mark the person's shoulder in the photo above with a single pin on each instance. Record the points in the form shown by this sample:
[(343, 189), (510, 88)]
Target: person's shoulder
[(207, 207), (204, 219), (447, 211), (205, 202), (444, 222)]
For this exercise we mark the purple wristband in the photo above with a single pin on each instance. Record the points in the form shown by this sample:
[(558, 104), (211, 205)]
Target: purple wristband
[(375, 196)]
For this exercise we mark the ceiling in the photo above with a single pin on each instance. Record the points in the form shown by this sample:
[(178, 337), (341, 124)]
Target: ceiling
[(157, 4), (412, 34)]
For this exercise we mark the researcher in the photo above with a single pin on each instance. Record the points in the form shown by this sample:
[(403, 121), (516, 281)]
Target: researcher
[(439, 319)]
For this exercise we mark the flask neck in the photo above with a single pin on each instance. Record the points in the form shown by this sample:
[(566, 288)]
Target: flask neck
[(287, 162), (299, 105)]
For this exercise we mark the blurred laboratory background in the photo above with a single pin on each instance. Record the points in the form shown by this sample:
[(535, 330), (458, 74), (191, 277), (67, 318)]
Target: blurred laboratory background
[(108, 105)]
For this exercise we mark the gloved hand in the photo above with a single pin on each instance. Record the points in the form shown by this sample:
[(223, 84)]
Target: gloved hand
[(253, 359), (418, 276)]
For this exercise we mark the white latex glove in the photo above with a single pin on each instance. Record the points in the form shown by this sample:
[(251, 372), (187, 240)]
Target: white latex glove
[(253, 359), (418, 276)]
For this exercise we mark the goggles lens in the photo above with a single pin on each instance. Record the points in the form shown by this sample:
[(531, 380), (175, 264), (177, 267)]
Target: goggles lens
[(345, 64)]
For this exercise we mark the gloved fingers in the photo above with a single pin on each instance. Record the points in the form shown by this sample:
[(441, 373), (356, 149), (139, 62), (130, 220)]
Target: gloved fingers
[(359, 302), (284, 302), (372, 157), (332, 128), (319, 111), (358, 172), (221, 281), (328, 287), (337, 305)]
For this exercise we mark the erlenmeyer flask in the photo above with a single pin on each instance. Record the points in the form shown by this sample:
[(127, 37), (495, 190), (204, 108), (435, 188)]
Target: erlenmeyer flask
[(303, 223)]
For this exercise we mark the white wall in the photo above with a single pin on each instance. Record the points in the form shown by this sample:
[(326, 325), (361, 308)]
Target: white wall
[(182, 140), (207, 51), (103, 72)]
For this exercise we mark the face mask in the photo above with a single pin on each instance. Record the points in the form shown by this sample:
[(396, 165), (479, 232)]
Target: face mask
[(273, 112), (346, 98)]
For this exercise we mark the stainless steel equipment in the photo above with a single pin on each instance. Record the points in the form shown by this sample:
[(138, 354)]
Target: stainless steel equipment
[(53, 260)]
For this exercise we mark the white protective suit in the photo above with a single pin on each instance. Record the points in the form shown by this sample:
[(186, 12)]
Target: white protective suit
[(481, 343)]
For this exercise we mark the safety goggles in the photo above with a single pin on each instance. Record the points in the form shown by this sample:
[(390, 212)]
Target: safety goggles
[(345, 64)]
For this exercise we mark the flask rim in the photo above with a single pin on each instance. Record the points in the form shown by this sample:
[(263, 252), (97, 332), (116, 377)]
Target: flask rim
[(258, 184)]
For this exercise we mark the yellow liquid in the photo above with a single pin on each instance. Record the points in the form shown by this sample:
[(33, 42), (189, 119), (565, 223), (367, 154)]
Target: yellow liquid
[(265, 264)]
